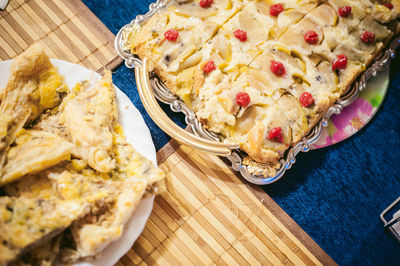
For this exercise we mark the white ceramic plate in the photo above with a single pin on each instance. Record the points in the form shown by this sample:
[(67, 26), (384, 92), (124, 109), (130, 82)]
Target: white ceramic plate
[(136, 133)]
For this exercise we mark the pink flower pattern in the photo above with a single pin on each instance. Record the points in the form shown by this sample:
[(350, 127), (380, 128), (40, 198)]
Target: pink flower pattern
[(361, 110)]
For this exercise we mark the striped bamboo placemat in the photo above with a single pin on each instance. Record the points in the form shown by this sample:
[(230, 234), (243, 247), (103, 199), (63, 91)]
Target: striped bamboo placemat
[(207, 215), (67, 30)]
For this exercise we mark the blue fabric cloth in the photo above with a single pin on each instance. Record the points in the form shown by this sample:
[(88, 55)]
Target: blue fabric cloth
[(335, 194)]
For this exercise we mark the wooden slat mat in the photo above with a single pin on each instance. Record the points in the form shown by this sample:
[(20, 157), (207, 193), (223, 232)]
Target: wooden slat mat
[(67, 30), (207, 215)]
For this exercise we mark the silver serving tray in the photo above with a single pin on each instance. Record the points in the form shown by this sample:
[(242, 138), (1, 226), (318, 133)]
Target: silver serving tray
[(253, 172)]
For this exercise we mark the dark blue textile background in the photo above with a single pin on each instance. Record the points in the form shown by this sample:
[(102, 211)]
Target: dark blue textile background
[(335, 194)]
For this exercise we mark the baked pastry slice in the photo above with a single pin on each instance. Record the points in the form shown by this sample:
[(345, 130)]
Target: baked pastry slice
[(133, 178), (89, 119), (104, 224), (33, 152), (27, 222), (33, 87)]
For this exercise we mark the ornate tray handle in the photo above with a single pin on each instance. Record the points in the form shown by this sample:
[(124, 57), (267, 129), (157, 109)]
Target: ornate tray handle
[(167, 125)]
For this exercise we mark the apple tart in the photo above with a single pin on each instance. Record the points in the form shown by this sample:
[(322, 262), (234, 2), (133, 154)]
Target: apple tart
[(265, 72)]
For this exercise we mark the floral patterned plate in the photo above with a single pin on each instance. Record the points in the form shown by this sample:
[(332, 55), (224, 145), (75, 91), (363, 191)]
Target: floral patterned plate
[(355, 116)]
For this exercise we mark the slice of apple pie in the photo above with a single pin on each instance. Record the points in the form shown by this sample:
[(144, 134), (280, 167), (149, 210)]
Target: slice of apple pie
[(269, 73)]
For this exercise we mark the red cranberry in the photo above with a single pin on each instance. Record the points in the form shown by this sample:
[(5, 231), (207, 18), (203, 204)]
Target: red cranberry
[(243, 99), (209, 67), (311, 37), (206, 3), (340, 62), (240, 35), (277, 68), (171, 35), (306, 99), (389, 5), (368, 37), (344, 11), (276, 9), (275, 133)]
